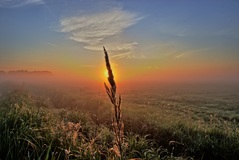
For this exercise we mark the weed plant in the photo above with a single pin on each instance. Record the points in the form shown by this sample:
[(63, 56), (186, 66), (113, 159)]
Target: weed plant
[(117, 122)]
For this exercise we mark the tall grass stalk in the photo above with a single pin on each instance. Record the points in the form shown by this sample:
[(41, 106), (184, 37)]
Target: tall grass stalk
[(117, 122)]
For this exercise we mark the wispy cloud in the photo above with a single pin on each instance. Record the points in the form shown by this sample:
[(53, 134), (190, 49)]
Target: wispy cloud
[(19, 3), (93, 29), (183, 54), (96, 30), (113, 46), (51, 44), (190, 52), (117, 50)]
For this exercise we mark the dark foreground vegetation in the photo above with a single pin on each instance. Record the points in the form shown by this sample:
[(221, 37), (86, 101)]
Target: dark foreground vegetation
[(63, 125)]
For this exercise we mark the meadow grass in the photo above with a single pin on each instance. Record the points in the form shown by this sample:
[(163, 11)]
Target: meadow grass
[(31, 131)]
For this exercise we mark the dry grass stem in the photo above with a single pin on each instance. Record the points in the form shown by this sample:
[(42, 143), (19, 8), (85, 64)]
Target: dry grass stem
[(117, 123)]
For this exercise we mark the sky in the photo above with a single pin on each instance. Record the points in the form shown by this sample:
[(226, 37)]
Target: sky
[(148, 41)]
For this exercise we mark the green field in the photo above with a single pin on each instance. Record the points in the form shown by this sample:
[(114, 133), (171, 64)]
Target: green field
[(164, 122)]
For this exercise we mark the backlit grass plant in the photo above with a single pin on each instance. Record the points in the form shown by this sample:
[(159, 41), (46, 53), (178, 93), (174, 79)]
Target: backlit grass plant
[(117, 122)]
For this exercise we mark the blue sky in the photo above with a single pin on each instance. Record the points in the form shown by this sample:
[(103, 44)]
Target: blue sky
[(143, 35)]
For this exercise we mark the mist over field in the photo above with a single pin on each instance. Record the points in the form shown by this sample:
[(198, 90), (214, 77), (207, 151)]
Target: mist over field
[(182, 119), (201, 99)]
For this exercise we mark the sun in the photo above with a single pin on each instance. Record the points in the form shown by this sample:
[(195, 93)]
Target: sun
[(105, 73)]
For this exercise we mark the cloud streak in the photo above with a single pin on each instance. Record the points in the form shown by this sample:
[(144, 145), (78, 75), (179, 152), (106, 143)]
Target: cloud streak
[(96, 30), (19, 3), (190, 52), (117, 50)]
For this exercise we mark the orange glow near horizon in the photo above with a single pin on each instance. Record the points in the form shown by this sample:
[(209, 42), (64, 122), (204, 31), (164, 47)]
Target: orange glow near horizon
[(124, 72)]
